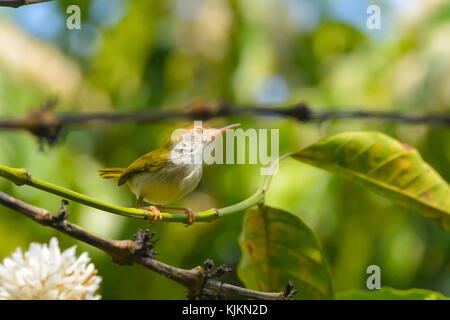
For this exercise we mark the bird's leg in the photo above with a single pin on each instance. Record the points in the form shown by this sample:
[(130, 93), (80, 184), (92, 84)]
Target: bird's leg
[(186, 210), (156, 213), (139, 202)]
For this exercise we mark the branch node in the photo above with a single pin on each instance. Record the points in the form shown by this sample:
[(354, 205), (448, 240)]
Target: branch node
[(44, 124), (213, 272), (209, 271), (289, 291), (63, 213), (203, 274), (144, 244), (141, 247), (301, 112), (17, 176)]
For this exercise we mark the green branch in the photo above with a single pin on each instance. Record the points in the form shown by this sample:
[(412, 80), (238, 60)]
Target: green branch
[(21, 177)]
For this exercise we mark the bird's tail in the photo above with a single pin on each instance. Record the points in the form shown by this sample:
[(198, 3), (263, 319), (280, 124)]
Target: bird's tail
[(109, 173)]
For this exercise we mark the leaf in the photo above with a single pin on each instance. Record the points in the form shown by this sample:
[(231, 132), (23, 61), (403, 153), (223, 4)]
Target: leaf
[(386, 166), (277, 247), (387, 293)]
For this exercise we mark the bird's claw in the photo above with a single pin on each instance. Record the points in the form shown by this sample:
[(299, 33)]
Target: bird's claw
[(191, 216), (156, 213)]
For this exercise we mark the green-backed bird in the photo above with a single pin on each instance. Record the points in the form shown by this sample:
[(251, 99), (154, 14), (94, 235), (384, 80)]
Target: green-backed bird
[(170, 172)]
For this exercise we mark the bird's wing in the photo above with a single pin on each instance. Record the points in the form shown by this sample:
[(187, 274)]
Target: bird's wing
[(147, 163)]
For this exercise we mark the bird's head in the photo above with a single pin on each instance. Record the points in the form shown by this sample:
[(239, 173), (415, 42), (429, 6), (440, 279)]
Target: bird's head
[(199, 134), (194, 139)]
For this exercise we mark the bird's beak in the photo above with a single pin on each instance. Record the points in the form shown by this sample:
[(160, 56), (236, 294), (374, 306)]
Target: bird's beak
[(221, 131)]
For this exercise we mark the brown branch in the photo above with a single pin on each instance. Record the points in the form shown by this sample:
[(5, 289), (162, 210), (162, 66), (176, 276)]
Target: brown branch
[(47, 125), (437, 119), (139, 251), (19, 3)]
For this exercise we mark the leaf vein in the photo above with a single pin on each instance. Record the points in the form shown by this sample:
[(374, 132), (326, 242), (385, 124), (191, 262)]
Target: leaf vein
[(386, 162)]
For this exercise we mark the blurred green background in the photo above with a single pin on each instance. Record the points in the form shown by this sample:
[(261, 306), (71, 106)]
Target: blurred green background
[(140, 54)]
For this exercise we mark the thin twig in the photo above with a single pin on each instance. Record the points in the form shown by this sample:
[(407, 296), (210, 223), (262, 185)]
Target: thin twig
[(128, 252), (19, 3), (436, 119), (47, 125)]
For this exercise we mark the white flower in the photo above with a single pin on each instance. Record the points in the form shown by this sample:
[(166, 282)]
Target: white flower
[(44, 273)]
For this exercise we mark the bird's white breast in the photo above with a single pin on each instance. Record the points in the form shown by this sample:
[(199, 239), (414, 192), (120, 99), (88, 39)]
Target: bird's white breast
[(167, 184)]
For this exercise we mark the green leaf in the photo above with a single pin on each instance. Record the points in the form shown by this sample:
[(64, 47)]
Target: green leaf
[(387, 293), (386, 166), (277, 247)]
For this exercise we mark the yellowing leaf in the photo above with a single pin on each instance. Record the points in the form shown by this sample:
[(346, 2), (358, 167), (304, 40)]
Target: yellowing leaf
[(277, 247), (386, 166)]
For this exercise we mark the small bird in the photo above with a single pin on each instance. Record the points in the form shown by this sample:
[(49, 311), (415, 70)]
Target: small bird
[(170, 172)]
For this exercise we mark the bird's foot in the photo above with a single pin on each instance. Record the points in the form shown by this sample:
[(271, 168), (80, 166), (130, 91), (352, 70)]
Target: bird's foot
[(191, 216), (156, 213), (186, 210)]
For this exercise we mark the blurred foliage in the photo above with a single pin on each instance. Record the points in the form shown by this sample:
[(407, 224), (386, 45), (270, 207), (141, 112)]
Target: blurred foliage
[(135, 55)]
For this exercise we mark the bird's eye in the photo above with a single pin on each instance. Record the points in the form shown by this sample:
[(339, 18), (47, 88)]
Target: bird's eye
[(199, 130)]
